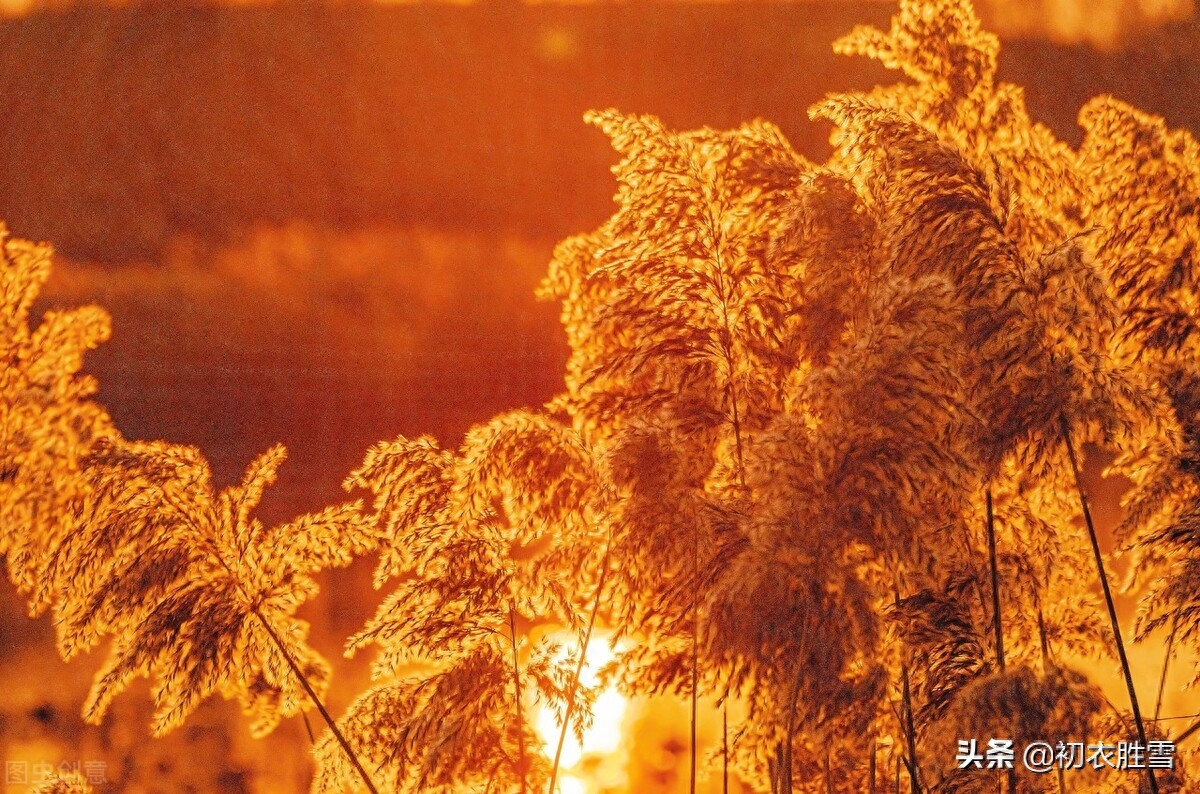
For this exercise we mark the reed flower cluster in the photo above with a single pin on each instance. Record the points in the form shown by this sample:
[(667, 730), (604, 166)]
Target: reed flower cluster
[(817, 451)]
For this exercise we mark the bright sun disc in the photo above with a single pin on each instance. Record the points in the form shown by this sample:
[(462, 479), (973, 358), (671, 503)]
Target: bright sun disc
[(604, 735)]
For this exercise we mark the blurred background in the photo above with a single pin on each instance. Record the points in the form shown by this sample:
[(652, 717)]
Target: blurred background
[(322, 223)]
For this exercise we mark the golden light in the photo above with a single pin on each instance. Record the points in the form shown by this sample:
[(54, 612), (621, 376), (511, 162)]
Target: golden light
[(569, 784), (601, 740)]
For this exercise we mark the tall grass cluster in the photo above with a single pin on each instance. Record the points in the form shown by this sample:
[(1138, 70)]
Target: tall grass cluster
[(817, 451)]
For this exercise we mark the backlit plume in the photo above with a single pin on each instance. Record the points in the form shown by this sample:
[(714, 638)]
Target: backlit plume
[(816, 466)]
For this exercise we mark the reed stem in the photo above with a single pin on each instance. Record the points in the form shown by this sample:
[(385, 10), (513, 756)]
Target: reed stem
[(587, 638), (997, 618), (312, 695), (521, 762), (1162, 681), (1065, 426)]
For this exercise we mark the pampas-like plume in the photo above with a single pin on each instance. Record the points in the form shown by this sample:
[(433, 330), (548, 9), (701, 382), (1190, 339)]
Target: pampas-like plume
[(492, 544), (63, 784), (47, 419), (194, 591), (790, 386)]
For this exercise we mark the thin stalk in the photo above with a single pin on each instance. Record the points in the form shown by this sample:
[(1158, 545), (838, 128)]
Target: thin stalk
[(312, 739), (587, 638), (1162, 681), (828, 774), (725, 747), (287, 657), (512, 627), (1047, 661), (692, 741), (308, 689), (1195, 726), (713, 221), (1043, 636), (1043, 640), (695, 656), (774, 765), (1108, 598), (735, 420), (910, 733), (793, 698), (997, 618), (871, 770)]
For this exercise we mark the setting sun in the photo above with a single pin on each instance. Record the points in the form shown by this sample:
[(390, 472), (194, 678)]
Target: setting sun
[(603, 736), (600, 397)]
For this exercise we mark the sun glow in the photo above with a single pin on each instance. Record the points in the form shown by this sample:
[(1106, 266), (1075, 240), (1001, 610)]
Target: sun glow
[(601, 740)]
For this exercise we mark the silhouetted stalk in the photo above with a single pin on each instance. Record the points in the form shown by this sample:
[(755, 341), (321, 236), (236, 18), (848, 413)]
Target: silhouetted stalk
[(828, 774), (312, 695), (736, 423), (1195, 726), (774, 766), (521, 763), (1108, 599), (725, 746), (910, 733), (793, 698), (587, 638), (1062, 779), (1046, 664), (491, 784), (714, 227), (312, 738), (1042, 639), (695, 654), (997, 618), (296, 671), (1162, 681), (871, 770)]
